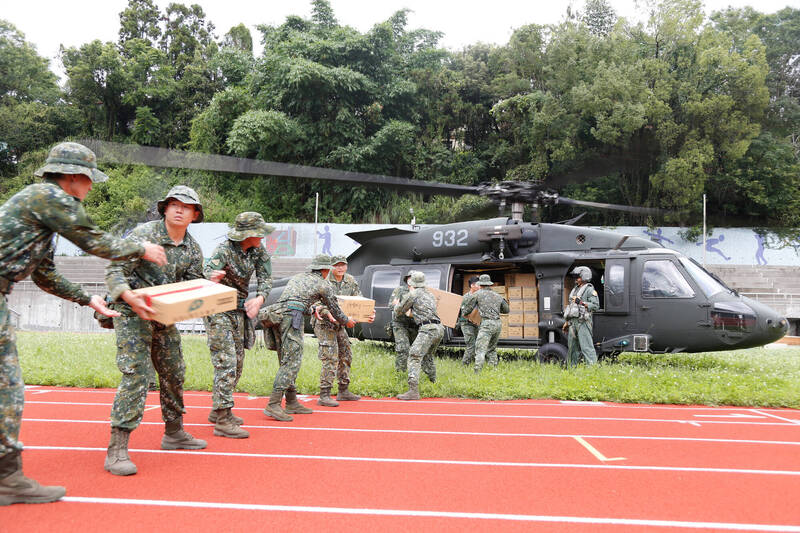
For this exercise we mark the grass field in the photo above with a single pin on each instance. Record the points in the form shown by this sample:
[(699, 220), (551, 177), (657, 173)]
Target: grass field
[(754, 377)]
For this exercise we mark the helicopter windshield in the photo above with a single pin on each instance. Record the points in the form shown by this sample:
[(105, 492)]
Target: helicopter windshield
[(706, 281)]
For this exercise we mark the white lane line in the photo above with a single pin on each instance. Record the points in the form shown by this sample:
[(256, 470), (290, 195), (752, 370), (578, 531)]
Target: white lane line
[(594, 451), (734, 415), (732, 526), (762, 412), (580, 466)]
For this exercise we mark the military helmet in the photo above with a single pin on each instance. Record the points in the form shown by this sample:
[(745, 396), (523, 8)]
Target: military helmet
[(320, 262), (583, 272), (72, 158), (484, 280), (249, 224), (417, 279), (338, 259), (184, 194)]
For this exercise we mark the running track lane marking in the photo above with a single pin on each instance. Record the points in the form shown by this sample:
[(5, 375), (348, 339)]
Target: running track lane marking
[(437, 461), (594, 451), (440, 514), (791, 420)]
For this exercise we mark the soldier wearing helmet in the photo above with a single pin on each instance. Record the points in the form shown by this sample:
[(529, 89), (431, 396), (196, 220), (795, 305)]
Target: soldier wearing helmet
[(140, 340), (28, 221), (230, 333), (581, 303), (422, 305), (285, 319), (403, 328)]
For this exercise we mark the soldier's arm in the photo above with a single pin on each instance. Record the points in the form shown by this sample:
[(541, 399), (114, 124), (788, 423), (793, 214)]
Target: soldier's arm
[(195, 269), (217, 261), (264, 273), (117, 275), (468, 304), (329, 300), (592, 300), (47, 278), (405, 304)]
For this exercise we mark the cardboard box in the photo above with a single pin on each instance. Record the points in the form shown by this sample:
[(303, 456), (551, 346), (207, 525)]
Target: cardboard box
[(530, 305), (504, 320), (530, 317), (175, 302), (516, 318), (530, 331), (514, 293), (525, 280), (515, 331), (448, 305), (356, 307), (475, 317), (499, 289), (530, 293), (516, 305)]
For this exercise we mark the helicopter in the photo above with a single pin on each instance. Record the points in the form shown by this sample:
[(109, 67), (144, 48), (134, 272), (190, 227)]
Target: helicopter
[(652, 299)]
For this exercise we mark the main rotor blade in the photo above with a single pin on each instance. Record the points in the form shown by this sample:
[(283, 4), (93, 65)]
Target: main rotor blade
[(168, 158), (614, 207)]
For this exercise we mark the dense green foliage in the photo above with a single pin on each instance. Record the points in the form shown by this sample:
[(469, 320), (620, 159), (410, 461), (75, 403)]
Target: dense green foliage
[(755, 377), (680, 104)]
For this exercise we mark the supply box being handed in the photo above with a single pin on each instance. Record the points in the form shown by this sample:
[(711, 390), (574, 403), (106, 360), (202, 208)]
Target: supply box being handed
[(357, 307), (175, 302)]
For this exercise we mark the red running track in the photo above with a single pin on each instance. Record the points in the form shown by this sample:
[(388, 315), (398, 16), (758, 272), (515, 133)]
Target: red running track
[(432, 465)]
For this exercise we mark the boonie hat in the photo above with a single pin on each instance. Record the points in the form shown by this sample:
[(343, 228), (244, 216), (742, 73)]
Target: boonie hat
[(184, 194), (320, 262), (484, 280), (417, 279), (72, 158), (249, 224)]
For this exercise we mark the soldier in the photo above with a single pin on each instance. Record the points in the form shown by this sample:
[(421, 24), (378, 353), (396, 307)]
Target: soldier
[(582, 302), (231, 332), (334, 343), (140, 339), (403, 328), (28, 221), (469, 329), (296, 300), (490, 305), (423, 310)]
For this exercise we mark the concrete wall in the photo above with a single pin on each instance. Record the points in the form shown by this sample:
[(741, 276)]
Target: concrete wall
[(40, 311)]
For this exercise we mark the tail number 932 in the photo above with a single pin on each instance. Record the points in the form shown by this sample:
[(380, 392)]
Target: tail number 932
[(450, 238)]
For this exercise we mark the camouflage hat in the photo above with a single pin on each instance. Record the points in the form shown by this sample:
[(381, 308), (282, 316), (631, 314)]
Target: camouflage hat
[(485, 280), (72, 158), (249, 224), (184, 194), (338, 259), (320, 262), (417, 279)]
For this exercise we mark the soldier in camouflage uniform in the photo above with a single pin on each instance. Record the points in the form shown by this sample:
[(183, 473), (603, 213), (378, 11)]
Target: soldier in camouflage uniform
[(286, 315), (581, 303), (28, 221), (141, 339), (469, 329), (422, 304), (404, 329), (334, 343), (490, 305), (229, 333)]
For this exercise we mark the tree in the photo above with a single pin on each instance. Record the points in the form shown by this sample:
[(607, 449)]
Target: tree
[(26, 75), (139, 20)]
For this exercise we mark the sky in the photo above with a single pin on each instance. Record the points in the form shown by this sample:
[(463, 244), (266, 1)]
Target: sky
[(50, 23)]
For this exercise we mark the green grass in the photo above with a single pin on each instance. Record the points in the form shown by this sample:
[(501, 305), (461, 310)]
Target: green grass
[(755, 377)]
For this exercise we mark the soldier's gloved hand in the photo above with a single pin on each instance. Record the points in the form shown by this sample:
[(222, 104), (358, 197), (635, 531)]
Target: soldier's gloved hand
[(371, 318), (154, 253), (252, 306), (216, 276), (138, 304), (99, 304)]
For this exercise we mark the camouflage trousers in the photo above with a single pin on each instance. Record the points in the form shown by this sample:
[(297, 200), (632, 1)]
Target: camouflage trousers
[(12, 388), (225, 332), (580, 343), (420, 356), (290, 353), (486, 342), (137, 341), (335, 354), (470, 332), (404, 335)]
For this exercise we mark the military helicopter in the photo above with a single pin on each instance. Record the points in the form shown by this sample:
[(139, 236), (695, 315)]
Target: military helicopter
[(652, 299)]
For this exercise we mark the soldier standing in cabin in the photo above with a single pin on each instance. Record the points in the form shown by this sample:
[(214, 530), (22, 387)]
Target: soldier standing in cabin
[(231, 333), (404, 329), (286, 316), (469, 329), (582, 302), (422, 304), (490, 305), (28, 221), (334, 343), (140, 339)]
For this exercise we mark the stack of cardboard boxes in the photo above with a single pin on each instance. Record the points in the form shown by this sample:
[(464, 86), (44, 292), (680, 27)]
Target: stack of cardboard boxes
[(522, 322)]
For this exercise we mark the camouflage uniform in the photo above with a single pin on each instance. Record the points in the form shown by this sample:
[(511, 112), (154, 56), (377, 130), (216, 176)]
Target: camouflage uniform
[(469, 330), (403, 328), (227, 331), (490, 305), (423, 309), (579, 318), (139, 340), (334, 343)]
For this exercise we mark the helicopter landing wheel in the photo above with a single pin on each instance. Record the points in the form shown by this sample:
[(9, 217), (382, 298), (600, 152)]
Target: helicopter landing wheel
[(552, 353)]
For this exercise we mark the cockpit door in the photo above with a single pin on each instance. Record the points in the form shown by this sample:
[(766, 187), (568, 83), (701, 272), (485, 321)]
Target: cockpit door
[(616, 285)]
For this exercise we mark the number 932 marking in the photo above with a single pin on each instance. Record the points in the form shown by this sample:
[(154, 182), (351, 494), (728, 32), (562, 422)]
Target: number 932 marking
[(450, 238)]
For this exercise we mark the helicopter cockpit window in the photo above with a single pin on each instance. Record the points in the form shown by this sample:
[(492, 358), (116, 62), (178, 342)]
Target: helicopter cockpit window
[(615, 285), (383, 283), (707, 283), (662, 279)]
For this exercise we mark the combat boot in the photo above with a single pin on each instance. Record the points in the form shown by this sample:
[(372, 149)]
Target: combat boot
[(117, 460), (293, 406), (344, 395), (412, 394), (176, 438), (274, 408), (226, 426), (16, 488), (212, 417), (325, 398)]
